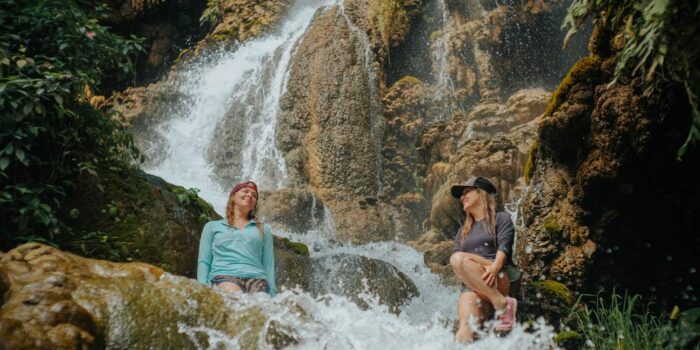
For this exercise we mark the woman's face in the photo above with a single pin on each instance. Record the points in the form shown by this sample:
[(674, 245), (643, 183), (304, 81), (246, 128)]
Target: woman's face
[(469, 199), (246, 199)]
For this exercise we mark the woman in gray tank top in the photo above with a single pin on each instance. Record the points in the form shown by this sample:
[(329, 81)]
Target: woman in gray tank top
[(482, 259)]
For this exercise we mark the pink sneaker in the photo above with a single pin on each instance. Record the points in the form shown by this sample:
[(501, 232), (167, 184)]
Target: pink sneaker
[(507, 318)]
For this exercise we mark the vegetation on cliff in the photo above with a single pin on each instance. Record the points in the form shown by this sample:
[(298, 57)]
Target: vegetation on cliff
[(661, 43), (622, 322), (53, 54)]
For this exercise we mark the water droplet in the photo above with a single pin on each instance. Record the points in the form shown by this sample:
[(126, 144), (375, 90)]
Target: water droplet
[(692, 270), (528, 249), (669, 258), (689, 288), (608, 250), (539, 295)]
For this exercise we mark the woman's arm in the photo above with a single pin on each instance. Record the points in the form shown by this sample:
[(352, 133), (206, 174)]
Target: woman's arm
[(268, 260), (505, 233), (205, 255)]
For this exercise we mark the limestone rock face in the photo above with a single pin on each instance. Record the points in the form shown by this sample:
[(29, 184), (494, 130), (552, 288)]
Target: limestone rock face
[(349, 275), (56, 300), (328, 128)]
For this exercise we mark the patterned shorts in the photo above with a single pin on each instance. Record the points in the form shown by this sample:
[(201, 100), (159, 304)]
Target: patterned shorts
[(247, 285)]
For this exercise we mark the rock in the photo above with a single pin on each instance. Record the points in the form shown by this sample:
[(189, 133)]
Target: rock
[(351, 275), (292, 264), (604, 153), (292, 209), (436, 254), (124, 214), (61, 301), (330, 134)]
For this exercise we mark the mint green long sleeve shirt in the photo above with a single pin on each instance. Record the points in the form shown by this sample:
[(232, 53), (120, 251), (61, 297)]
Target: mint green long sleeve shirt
[(227, 250)]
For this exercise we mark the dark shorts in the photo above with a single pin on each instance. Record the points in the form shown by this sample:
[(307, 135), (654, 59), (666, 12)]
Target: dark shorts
[(513, 276), (247, 285)]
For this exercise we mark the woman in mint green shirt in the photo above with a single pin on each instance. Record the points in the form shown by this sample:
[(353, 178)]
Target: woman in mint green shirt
[(236, 253)]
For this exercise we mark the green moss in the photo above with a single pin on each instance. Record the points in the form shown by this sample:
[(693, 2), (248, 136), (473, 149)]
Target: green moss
[(407, 81), (556, 290), (435, 35), (551, 225), (585, 69), (567, 337), (296, 247), (529, 169)]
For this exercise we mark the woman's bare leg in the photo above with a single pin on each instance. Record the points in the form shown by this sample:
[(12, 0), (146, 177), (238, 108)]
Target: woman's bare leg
[(470, 308), (229, 287), (470, 267)]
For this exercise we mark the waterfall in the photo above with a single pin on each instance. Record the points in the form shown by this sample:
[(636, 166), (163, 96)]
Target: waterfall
[(444, 86), (248, 81)]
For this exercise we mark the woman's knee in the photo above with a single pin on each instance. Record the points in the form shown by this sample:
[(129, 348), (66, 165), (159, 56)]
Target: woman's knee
[(456, 260)]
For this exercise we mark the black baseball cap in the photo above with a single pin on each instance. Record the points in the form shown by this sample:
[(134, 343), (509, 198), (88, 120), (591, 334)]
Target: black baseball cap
[(475, 181)]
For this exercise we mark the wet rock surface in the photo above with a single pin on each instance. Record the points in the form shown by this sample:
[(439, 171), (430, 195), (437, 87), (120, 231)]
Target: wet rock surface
[(358, 277), (58, 300)]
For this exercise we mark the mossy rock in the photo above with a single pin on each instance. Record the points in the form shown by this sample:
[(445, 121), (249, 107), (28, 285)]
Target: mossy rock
[(350, 275), (124, 214), (586, 69), (292, 264), (569, 339), (529, 169), (407, 81), (554, 292), (551, 226)]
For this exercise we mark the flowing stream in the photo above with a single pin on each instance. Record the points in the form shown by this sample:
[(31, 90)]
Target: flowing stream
[(253, 78)]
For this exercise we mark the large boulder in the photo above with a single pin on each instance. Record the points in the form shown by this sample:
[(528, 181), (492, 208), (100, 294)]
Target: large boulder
[(124, 214), (353, 276), (330, 127), (609, 205), (56, 300)]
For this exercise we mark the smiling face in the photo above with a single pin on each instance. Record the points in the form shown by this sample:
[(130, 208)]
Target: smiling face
[(470, 199), (246, 199)]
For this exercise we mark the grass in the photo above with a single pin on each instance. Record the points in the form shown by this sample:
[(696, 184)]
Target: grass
[(624, 322)]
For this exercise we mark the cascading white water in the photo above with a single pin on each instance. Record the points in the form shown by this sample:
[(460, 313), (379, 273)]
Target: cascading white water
[(440, 54), (253, 78)]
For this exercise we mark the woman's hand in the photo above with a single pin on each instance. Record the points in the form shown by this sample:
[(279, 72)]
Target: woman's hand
[(490, 275)]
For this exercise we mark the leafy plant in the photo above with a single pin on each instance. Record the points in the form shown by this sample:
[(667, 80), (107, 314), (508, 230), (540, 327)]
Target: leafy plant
[(661, 42), (53, 54), (211, 14)]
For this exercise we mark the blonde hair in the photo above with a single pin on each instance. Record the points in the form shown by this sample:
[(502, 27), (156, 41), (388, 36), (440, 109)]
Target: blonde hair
[(487, 202), (252, 215)]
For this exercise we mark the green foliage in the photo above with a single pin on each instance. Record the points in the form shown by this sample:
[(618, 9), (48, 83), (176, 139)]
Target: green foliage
[(621, 323), (211, 14), (662, 42), (52, 56)]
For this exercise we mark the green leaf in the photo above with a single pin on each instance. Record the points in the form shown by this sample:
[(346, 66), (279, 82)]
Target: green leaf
[(9, 148), (4, 162), (21, 63), (20, 155)]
